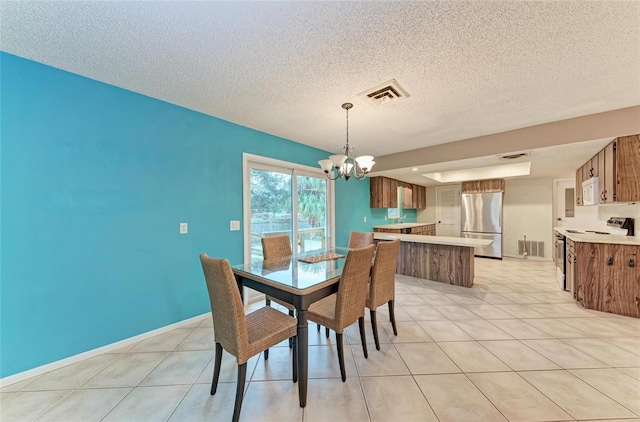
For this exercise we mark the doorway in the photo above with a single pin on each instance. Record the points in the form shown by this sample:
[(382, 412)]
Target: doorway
[(564, 203), (448, 211)]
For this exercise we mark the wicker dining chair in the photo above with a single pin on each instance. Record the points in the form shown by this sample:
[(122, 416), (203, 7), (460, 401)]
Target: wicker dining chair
[(382, 284), (343, 308), (356, 240), (360, 239), (277, 247), (240, 335)]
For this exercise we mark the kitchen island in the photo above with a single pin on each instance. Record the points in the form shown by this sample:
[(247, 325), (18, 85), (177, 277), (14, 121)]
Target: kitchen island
[(438, 258)]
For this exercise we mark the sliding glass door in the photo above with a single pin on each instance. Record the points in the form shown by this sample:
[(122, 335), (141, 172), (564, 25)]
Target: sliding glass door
[(271, 202), (286, 199), (311, 210)]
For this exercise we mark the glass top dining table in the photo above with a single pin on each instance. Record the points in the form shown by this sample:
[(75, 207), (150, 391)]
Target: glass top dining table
[(292, 274), (300, 284)]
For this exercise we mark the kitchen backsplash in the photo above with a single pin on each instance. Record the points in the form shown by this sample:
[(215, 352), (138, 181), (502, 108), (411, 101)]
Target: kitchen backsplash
[(627, 210), (595, 217)]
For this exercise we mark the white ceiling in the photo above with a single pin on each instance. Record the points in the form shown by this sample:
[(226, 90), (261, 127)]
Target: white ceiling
[(471, 68)]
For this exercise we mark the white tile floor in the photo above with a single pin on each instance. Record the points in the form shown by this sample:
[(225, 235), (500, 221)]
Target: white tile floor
[(514, 347)]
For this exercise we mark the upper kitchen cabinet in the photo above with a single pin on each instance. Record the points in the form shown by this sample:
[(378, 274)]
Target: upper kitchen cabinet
[(483, 186), (591, 168), (626, 164), (608, 173), (617, 167), (579, 186), (419, 197), (407, 198), (384, 194)]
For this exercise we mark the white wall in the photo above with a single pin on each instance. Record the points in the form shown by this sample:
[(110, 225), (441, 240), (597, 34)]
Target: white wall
[(428, 215), (527, 208)]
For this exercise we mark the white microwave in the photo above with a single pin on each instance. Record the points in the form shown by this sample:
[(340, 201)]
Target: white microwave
[(590, 191)]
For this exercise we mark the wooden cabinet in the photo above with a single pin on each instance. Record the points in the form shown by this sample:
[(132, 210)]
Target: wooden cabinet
[(579, 186), (424, 230), (608, 173), (419, 197), (627, 168), (431, 230), (591, 168), (379, 230), (483, 186), (407, 200), (570, 268), (383, 193), (618, 169), (621, 291), (607, 277), (421, 230)]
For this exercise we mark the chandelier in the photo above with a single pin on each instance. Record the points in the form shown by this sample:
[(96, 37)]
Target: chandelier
[(345, 165)]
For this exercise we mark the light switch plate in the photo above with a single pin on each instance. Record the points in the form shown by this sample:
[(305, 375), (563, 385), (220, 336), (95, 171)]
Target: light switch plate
[(184, 228), (234, 225)]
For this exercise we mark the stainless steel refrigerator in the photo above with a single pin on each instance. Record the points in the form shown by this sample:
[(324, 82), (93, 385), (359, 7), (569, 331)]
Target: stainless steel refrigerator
[(482, 219)]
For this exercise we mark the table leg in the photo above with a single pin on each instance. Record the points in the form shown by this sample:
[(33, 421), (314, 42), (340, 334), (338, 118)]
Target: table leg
[(303, 356)]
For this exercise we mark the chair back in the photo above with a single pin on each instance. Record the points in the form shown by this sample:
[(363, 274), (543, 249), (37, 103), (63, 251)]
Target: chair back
[(352, 290), (359, 240), (229, 320), (276, 246), (383, 274)]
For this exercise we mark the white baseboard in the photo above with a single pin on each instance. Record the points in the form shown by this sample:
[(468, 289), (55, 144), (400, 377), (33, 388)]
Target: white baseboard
[(21, 376)]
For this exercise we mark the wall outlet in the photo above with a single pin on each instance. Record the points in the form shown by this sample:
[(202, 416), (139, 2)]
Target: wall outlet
[(365, 219), (234, 225), (184, 228)]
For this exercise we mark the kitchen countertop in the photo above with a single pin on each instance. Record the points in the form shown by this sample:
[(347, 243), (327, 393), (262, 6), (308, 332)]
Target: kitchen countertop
[(598, 238), (397, 226), (436, 240)]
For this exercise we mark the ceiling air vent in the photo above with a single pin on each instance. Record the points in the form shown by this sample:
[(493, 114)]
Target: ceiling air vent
[(388, 92), (513, 156)]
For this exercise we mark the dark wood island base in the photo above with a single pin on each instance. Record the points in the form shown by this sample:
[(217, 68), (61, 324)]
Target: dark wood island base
[(437, 258), (443, 263)]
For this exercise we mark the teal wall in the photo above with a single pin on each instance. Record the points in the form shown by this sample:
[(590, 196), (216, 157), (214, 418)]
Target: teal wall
[(94, 181)]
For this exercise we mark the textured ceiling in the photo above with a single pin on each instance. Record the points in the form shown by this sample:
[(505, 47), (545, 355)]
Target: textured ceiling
[(471, 68)]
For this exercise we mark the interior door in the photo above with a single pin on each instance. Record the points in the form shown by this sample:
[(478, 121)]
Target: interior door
[(564, 210), (448, 211)]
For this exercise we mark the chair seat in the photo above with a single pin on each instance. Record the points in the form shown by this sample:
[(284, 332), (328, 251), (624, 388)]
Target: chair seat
[(267, 327), (323, 312)]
